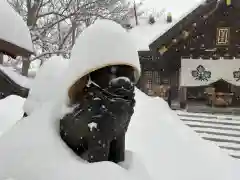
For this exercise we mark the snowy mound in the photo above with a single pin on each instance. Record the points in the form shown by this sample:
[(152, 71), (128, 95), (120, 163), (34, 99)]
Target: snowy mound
[(32, 149), (43, 87), (14, 29), (10, 112), (171, 150)]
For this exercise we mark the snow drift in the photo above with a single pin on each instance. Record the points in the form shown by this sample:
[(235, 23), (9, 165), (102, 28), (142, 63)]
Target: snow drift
[(10, 112), (45, 84), (167, 148), (32, 149), (171, 150)]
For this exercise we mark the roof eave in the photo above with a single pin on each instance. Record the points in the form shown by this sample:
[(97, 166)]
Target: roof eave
[(189, 18), (13, 50)]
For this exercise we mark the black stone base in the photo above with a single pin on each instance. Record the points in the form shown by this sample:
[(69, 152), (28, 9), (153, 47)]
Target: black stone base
[(183, 105)]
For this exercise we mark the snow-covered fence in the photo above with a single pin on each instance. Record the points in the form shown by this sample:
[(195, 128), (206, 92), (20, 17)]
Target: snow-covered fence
[(12, 83)]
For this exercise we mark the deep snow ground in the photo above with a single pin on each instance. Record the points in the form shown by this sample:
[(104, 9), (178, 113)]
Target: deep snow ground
[(10, 112), (223, 130), (32, 149), (171, 150), (165, 145)]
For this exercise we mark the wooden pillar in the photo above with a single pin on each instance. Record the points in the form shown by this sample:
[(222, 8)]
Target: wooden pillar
[(154, 54), (25, 66), (1, 58), (183, 97)]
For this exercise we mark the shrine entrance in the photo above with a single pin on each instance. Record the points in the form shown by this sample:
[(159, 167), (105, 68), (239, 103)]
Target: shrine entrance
[(214, 83)]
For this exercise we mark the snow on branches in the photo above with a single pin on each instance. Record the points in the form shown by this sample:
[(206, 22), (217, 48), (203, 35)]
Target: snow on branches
[(55, 24)]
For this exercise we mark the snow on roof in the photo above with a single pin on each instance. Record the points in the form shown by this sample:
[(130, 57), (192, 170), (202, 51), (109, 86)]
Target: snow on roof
[(160, 33), (16, 77), (145, 33), (13, 28)]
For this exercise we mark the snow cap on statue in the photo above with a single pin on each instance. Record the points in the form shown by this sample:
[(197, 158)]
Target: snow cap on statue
[(102, 44)]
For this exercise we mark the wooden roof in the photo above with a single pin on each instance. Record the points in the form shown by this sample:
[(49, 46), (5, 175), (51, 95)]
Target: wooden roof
[(13, 50), (193, 18)]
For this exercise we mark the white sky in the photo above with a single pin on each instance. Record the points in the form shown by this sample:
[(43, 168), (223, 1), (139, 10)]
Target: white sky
[(176, 7)]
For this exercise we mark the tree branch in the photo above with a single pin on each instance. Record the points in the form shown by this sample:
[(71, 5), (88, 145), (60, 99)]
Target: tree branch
[(49, 53)]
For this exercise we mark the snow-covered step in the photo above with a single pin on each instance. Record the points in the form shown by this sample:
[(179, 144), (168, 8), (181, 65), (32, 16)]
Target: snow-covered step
[(220, 127), (220, 138), (228, 132), (209, 116), (214, 121), (222, 130), (211, 125), (232, 152), (210, 133), (229, 145)]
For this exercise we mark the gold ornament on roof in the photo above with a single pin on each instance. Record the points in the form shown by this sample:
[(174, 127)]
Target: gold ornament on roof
[(163, 49), (223, 36)]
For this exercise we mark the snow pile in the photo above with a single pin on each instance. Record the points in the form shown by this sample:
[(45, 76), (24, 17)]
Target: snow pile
[(16, 77), (34, 67), (168, 149), (171, 150), (44, 85), (32, 149), (13, 28), (10, 112)]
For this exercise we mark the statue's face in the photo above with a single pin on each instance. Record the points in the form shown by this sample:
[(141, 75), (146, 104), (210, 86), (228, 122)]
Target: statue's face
[(104, 76), (117, 80), (114, 79)]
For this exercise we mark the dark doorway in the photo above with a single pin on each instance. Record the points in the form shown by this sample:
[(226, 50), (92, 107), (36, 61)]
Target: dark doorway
[(222, 86)]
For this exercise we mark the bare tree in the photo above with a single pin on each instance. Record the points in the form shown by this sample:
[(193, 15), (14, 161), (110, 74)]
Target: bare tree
[(55, 24)]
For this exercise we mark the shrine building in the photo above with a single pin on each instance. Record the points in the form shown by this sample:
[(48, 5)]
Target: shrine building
[(197, 57)]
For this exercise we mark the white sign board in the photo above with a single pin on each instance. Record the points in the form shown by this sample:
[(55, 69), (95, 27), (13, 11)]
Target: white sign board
[(199, 72)]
